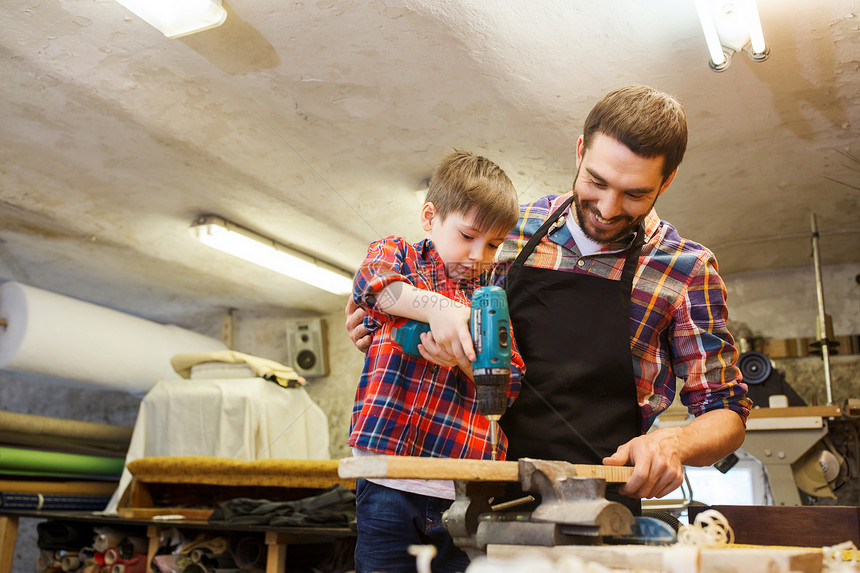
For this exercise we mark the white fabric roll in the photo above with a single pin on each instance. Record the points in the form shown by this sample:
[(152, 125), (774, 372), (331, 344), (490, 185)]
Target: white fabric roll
[(55, 335)]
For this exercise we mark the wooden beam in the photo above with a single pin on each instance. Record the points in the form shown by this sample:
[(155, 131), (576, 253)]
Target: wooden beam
[(276, 554), (8, 536), (470, 470)]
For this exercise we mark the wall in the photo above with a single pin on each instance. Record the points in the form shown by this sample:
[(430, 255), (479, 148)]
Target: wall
[(783, 304)]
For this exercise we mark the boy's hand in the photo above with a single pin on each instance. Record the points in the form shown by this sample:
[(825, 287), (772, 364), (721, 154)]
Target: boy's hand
[(450, 328), (434, 353)]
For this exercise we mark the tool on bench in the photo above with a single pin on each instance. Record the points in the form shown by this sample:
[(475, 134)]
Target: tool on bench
[(491, 335), (572, 510)]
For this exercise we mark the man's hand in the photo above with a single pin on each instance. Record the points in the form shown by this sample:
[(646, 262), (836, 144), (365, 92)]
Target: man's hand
[(361, 337), (658, 457), (657, 464)]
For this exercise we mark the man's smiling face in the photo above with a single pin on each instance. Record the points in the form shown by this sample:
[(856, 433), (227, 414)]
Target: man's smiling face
[(614, 188)]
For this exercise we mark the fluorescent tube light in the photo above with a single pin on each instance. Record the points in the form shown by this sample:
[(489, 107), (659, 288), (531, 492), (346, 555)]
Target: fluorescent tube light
[(759, 49), (177, 18), (731, 26), (719, 61), (240, 242)]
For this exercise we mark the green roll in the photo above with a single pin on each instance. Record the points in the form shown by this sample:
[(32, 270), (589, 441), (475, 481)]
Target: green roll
[(21, 461)]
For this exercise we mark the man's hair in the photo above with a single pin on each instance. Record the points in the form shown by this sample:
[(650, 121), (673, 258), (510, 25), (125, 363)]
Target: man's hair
[(467, 183), (650, 123)]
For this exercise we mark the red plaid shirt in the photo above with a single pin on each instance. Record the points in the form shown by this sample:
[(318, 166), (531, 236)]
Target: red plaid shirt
[(409, 406), (678, 310)]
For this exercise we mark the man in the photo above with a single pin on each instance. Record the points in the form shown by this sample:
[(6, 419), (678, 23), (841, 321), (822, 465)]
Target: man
[(609, 305)]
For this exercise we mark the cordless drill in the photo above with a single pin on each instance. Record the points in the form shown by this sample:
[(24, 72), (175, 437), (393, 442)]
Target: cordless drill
[(491, 337)]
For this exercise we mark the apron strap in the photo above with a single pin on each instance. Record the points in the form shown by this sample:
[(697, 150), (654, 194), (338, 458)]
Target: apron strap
[(630, 263), (526, 251)]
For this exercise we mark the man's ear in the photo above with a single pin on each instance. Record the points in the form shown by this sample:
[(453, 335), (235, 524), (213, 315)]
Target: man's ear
[(580, 150), (668, 181), (428, 211)]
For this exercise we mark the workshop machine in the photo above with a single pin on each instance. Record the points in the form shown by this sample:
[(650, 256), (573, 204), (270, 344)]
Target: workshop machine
[(808, 449), (490, 327)]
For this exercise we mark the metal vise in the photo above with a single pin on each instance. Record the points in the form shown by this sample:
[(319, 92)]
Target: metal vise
[(573, 510)]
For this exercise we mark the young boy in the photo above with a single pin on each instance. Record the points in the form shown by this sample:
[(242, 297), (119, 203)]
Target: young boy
[(426, 407)]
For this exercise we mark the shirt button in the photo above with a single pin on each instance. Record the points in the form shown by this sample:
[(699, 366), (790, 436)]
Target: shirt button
[(435, 368), (580, 263)]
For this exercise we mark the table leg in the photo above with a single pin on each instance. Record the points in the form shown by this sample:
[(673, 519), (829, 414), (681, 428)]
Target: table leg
[(8, 536), (276, 558)]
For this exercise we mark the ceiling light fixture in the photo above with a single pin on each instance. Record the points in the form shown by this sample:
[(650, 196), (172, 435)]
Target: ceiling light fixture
[(731, 26), (177, 18), (240, 242)]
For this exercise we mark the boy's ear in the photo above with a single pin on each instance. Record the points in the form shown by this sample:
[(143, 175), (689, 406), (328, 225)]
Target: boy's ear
[(428, 211)]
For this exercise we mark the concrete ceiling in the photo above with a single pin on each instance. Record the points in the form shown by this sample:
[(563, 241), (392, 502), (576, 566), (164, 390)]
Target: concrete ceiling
[(314, 123)]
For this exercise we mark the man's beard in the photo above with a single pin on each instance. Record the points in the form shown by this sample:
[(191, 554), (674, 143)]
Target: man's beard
[(603, 238)]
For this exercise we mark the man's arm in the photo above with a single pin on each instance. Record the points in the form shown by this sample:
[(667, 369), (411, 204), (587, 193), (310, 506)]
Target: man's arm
[(659, 456), (704, 356)]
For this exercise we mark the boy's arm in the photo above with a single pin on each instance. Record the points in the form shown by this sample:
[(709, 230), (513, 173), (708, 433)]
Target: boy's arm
[(448, 319)]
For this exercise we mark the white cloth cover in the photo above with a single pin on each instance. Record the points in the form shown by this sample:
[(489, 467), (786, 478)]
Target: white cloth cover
[(241, 418)]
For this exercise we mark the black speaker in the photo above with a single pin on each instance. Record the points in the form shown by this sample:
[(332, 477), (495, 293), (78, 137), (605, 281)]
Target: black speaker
[(306, 348)]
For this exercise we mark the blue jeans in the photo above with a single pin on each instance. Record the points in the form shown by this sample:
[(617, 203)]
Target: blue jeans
[(389, 521)]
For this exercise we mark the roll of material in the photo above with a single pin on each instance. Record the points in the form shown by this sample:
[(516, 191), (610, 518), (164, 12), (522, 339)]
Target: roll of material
[(38, 501), (19, 461), (55, 335), (72, 430), (248, 552), (70, 563)]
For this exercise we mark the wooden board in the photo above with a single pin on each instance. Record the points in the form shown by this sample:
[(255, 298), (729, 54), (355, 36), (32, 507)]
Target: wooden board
[(796, 526), (671, 558), (797, 412), (400, 467), (153, 512)]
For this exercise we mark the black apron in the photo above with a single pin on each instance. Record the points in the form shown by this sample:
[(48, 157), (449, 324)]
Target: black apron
[(578, 401)]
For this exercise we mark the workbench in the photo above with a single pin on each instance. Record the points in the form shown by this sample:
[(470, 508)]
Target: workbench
[(277, 539), (190, 487)]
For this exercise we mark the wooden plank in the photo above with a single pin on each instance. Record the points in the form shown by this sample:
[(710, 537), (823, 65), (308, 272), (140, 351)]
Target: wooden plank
[(670, 558), (400, 467), (797, 411), (201, 514), (8, 537), (795, 526)]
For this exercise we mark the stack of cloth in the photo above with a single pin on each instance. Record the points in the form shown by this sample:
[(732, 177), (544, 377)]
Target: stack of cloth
[(81, 548), (58, 464)]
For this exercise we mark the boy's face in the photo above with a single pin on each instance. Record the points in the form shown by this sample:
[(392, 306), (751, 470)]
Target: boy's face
[(465, 251)]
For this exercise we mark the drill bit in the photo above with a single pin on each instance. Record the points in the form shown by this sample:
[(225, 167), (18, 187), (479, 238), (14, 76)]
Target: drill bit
[(494, 439)]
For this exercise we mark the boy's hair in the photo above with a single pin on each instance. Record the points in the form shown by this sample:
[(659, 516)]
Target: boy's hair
[(465, 183), (650, 123)]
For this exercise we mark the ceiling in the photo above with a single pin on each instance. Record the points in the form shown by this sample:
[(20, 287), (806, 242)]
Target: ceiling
[(314, 122)]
